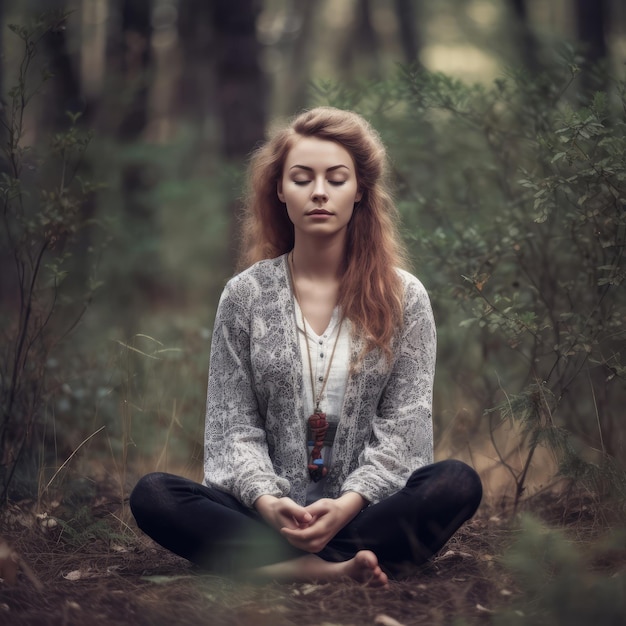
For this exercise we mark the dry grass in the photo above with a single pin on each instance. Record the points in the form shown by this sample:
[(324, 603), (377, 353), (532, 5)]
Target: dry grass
[(129, 580)]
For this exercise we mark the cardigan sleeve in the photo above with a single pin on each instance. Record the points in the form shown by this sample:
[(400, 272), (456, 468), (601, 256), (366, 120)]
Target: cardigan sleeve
[(236, 458), (401, 438)]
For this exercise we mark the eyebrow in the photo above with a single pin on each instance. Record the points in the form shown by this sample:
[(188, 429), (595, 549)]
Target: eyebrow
[(310, 169)]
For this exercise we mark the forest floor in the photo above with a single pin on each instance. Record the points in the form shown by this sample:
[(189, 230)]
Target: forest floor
[(82, 571)]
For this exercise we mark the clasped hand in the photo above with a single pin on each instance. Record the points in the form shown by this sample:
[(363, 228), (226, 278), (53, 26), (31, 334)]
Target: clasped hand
[(310, 528)]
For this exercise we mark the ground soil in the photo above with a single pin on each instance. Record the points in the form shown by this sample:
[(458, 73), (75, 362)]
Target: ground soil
[(90, 573)]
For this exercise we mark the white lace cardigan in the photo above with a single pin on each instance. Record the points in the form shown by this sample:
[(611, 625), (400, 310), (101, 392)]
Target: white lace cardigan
[(255, 431)]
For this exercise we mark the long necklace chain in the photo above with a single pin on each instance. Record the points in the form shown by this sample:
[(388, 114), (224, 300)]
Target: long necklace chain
[(316, 399), (317, 420)]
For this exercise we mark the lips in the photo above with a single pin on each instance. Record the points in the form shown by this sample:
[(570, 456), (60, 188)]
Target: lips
[(319, 212)]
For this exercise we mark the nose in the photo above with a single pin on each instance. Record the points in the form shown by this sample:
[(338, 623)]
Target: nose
[(319, 191)]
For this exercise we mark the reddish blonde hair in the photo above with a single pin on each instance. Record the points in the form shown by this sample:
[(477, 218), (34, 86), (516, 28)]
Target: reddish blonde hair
[(370, 294)]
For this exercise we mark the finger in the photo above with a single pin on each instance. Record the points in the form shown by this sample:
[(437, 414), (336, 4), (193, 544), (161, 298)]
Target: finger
[(317, 508), (310, 544), (297, 524), (292, 533), (303, 517), (297, 512)]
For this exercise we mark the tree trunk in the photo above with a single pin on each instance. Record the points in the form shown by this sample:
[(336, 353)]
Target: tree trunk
[(591, 20), (299, 66), (137, 178), (65, 83), (2, 48), (409, 34), (361, 43), (136, 65), (197, 47), (240, 90), (524, 36)]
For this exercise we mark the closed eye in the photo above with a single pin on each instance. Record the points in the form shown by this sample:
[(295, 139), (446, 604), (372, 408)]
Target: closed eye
[(334, 183)]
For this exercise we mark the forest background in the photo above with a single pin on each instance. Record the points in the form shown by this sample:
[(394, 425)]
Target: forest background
[(127, 127)]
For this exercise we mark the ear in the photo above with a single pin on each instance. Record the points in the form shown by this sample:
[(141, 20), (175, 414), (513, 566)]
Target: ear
[(279, 190), (359, 195)]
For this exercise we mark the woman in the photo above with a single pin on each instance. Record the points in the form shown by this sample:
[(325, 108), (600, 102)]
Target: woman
[(318, 441)]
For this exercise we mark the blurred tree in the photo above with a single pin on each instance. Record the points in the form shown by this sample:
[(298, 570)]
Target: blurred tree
[(240, 87), (136, 65), (65, 87), (1, 48), (66, 106), (524, 36), (5, 254), (299, 67), (196, 42), (592, 18), (133, 62), (406, 13), (361, 44)]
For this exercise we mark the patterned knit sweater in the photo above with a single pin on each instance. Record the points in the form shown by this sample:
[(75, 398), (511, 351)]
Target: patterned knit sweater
[(255, 431)]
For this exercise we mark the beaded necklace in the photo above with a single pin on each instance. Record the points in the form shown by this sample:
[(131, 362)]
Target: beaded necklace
[(317, 420)]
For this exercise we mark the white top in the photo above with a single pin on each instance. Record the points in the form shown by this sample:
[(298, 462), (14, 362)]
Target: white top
[(331, 403)]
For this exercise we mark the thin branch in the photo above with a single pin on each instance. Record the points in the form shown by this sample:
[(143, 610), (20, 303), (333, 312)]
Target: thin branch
[(71, 456)]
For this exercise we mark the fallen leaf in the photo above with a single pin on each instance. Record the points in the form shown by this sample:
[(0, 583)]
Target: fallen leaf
[(277, 608), (305, 590), (162, 580), (385, 620), (450, 553), (480, 607), (117, 548)]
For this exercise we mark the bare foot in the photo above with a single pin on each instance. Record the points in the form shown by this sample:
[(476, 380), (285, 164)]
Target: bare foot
[(364, 568)]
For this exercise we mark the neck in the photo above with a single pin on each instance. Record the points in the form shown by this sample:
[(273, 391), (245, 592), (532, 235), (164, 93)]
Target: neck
[(322, 260)]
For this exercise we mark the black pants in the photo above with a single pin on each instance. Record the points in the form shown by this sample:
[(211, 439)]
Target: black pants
[(214, 530)]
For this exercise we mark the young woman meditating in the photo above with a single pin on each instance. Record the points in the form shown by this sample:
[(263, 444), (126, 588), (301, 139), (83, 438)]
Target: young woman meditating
[(318, 440)]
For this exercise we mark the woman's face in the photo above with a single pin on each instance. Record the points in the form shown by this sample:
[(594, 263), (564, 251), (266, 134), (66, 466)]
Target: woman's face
[(319, 187)]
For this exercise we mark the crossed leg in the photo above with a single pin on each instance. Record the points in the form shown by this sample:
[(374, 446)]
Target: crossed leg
[(214, 530)]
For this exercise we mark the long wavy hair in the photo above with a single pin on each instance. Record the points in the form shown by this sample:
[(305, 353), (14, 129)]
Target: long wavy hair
[(370, 294)]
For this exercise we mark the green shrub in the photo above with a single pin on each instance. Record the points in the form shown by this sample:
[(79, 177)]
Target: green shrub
[(513, 199), (43, 199)]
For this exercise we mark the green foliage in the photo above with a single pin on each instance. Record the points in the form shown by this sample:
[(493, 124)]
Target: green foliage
[(42, 200), (514, 203), (559, 583)]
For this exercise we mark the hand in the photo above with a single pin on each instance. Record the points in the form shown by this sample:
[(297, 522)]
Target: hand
[(282, 513), (328, 518)]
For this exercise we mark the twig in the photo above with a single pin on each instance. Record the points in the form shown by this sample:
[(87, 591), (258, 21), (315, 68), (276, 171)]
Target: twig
[(595, 406), (69, 458)]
